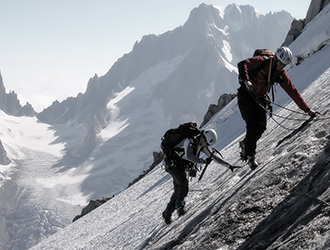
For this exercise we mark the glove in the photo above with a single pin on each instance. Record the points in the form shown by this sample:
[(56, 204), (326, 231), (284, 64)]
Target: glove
[(208, 160), (313, 113), (248, 85)]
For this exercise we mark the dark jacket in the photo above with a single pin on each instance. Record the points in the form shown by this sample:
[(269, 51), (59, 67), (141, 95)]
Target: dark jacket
[(256, 70)]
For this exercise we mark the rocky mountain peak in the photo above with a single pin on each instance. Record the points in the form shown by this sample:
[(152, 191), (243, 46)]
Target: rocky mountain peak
[(10, 104)]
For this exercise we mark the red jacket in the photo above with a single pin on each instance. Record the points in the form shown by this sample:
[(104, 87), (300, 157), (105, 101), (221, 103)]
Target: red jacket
[(256, 70)]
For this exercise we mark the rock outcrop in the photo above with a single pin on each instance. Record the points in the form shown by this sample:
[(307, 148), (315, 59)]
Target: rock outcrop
[(10, 104), (213, 109), (4, 160)]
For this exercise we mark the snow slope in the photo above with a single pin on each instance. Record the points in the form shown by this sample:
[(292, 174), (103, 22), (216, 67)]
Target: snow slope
[(281, 205), (30, 201)]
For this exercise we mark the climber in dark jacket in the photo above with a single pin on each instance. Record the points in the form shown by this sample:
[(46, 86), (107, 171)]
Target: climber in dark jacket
[(256, 77), (187, 156)]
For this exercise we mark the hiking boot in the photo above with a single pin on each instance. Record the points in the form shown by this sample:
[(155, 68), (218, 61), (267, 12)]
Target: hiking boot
[(252, 162), (244, 156), (167, 217), (181, 211)]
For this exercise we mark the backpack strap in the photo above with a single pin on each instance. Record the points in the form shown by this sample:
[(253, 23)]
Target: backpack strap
[(269, 75), (270, 70)]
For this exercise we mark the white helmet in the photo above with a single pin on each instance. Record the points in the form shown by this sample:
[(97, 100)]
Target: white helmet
[(284, 54), (210, 136)]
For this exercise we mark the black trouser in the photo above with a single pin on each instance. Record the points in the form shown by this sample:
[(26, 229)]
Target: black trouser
[(180, 183), (255, 118)]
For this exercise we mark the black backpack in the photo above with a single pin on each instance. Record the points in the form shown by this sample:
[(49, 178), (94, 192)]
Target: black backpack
[(174, 136), (263, 52), (268, 54)]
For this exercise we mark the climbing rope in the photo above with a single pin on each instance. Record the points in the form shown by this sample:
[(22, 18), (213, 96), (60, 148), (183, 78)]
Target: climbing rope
[(271, 114)]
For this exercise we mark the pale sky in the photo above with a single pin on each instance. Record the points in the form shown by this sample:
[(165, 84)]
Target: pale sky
[(50, 49)]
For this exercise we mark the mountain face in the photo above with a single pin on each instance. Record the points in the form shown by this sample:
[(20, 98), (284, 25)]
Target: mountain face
[(116, 124), (211, 40), (315, 7), (10, 104), (163, 81)]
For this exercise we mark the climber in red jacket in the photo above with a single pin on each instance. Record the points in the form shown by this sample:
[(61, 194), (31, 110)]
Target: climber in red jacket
[(256, 77)]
